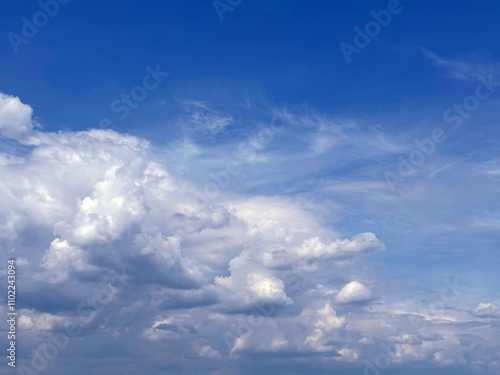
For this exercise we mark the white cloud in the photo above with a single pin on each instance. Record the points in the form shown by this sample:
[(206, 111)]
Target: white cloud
[(361, 243), (206, 351), (93, 201), (347, 354), (176, 325), (15, 118), (353, 292), (267, 339), (461, 68), (250, 284), (201, 117), (486, 310), (30, 320), (327, 322)]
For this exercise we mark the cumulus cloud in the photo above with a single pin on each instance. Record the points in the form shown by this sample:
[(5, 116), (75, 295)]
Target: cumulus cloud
[(347, 354), (354, 292), (327, 323), (31, 320), (210, 279), (250, 284), (15, 118), (172, 327), (206, 351), (486, 310), (268, 339), (361, 243)]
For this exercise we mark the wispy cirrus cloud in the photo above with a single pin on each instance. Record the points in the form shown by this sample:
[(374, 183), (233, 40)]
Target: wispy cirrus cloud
[(201, 117), (462, 68)]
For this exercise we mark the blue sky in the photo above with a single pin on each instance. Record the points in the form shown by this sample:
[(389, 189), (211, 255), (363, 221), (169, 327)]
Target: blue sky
[(238, 166)]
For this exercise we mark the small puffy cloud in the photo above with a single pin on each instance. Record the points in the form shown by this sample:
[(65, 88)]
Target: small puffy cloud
[(348, 355), (267, 288), (354, 292), (176, 326), (268, 338), (328, 319), (448, 351), (30, 319), (359, 244), (15, 118), (486, 310), (206, 351)]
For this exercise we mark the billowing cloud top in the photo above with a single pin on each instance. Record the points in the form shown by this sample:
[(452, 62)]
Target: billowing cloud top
[(108, 241)]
